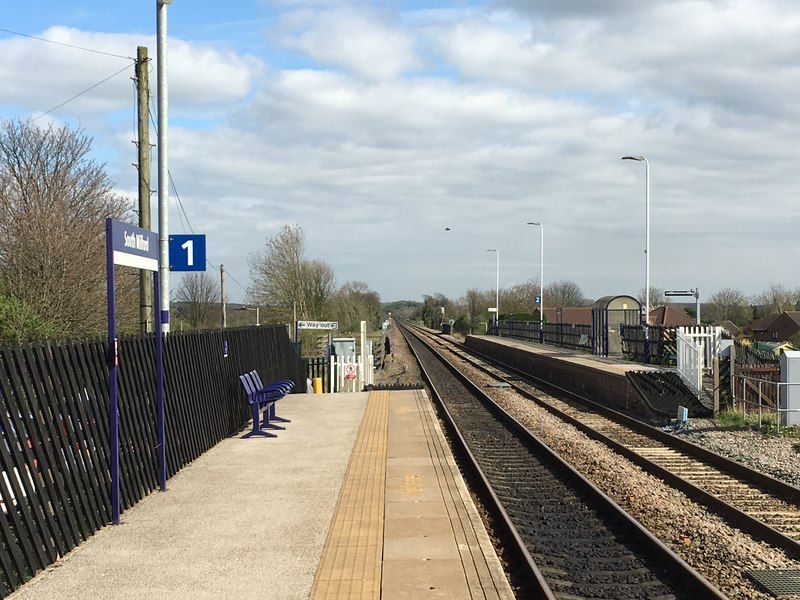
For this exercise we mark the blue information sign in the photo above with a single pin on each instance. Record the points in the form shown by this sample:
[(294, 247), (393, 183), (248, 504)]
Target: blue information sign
[(187, 252), (133, 246), (538, 299)]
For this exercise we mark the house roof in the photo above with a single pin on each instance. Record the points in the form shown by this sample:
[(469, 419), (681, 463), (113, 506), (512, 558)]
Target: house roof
[(730, 327), (669, 317), (766, 322)]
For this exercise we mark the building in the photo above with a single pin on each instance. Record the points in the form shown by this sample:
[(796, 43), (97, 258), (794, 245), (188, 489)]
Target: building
[(666, 316), (776, 327)]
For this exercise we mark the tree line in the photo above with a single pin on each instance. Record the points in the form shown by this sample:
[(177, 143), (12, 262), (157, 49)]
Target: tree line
[(54, 200), (285, 283), (471, 311)]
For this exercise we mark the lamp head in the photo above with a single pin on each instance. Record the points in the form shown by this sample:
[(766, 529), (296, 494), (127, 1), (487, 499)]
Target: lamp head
[(532, 223), (639, 158)]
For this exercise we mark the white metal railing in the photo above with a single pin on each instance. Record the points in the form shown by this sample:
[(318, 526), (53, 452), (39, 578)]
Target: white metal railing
[(350, 373), (782, 414), (710, 335), (691, 361)]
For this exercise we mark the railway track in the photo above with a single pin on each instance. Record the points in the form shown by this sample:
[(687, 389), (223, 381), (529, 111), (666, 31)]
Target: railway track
[(758, 504), (575, 541)]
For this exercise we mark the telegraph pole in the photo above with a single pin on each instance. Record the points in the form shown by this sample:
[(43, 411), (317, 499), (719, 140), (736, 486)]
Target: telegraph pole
[(222, 296), (143, 114)]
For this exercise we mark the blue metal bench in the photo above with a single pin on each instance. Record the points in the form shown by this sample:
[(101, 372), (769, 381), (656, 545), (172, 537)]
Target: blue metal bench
[(286, 383), (263, 397)]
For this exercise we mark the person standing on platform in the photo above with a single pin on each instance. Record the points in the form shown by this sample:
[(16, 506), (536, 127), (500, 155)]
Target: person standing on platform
[(387, 349)]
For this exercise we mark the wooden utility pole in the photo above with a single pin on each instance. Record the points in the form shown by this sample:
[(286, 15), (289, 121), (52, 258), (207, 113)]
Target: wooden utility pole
[(146, 317), (222, 296)]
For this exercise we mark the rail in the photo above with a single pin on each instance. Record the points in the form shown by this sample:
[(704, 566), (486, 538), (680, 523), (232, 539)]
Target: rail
[(768, 496), (521, 466)]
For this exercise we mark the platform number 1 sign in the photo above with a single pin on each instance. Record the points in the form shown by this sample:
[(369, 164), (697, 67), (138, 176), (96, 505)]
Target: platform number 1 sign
[(187, 252)]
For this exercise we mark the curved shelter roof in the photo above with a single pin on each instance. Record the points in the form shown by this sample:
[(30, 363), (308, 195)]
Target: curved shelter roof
[(619, 302)]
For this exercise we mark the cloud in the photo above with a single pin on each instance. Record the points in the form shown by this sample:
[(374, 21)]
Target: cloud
[(363, 41), (36, 76), (381, 128)]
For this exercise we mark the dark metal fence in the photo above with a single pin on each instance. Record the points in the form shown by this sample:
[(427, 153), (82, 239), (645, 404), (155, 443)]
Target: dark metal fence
[(567, 335), (54, 491), (319, 366), (661, 349)]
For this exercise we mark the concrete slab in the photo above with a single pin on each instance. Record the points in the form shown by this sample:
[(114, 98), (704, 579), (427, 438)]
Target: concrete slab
[(248, 519)]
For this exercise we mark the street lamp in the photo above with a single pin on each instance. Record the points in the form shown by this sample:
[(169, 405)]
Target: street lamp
[(163, 180), (541, 269), (497, 289), (647, 235), (258, 313)]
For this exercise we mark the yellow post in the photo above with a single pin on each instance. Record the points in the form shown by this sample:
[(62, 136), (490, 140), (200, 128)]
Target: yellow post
[(317, 385)]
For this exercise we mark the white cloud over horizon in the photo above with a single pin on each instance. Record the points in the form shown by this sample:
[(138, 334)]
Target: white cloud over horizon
[(383, 127)]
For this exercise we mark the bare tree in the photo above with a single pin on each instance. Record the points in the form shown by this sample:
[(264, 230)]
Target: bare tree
[(318, 286), (657, 297), (54, 200), (199, 297), (277, 273), (729, 304), (520, 298), (563, 293), (355, 302), (775, 299), (477, 304)]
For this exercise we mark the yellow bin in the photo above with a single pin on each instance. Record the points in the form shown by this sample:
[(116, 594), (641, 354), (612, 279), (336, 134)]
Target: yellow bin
[(317, 385)]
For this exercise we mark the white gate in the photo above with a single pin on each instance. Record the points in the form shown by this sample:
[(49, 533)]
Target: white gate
[(691, 354), (350, 373), (697, 347)]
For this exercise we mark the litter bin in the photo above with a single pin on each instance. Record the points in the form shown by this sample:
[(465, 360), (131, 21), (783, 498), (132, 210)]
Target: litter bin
[(317, 385)]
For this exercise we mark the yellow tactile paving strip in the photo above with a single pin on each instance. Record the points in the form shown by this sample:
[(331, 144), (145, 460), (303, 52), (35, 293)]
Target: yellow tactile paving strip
[(351, 561), (405, 525)]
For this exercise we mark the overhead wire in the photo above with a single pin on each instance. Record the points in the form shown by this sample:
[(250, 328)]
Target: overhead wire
[(79, 94), (92, 50), (182, 210)]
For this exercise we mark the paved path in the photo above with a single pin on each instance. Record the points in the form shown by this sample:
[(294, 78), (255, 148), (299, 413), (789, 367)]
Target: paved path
[(248, 519)]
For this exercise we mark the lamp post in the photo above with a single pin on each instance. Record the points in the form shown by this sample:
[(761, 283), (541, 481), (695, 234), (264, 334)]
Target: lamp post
[(647, 235), (497, 290), (163, 179), (541, 279)]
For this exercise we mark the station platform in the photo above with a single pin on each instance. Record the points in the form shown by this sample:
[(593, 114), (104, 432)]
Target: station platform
[(633, 388), (359, 497)]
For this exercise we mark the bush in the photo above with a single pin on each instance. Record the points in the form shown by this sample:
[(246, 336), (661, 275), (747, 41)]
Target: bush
[(19, 322)]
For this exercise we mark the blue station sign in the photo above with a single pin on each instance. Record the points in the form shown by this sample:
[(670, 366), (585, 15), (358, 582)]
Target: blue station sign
[(133, 246), (187, 252)]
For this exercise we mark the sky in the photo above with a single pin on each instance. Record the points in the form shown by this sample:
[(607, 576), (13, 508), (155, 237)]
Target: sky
[(375, 125)]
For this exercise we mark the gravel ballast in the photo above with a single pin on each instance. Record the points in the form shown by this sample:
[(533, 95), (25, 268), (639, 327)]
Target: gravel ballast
[(717, 550)]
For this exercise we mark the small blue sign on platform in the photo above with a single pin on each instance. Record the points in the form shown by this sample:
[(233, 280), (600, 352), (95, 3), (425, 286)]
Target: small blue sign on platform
[(538, 300), (187, 252), (133, 246)]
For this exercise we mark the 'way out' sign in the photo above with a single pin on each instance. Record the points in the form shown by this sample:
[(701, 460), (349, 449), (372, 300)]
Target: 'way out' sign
[(325, 325), (133, 246)]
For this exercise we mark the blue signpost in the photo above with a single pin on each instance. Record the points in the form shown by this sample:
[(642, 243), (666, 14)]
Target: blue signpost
[(187, 252), (131, 246)]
